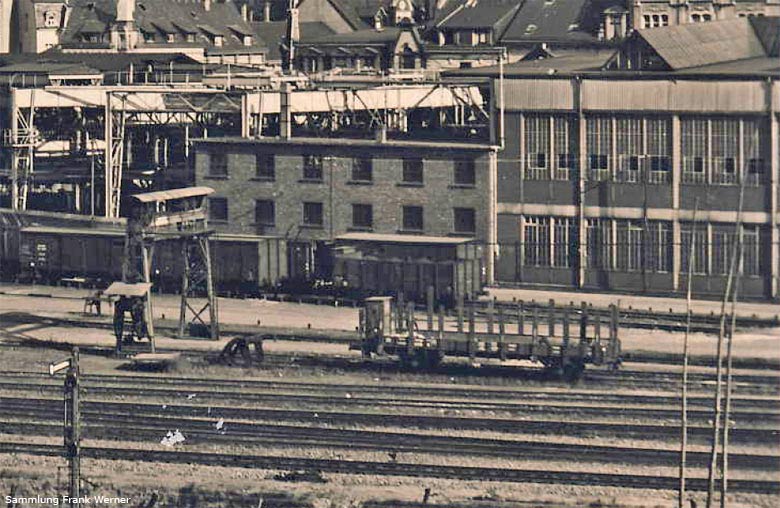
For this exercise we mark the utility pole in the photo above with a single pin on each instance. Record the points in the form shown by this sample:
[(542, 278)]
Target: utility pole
[(684, 416), (72, 423)]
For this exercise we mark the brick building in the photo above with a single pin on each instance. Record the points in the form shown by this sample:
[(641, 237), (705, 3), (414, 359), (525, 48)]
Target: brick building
[(606, 162), (311, 191)]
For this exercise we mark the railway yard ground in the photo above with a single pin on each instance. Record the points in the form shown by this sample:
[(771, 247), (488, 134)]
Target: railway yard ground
[(315, 425)]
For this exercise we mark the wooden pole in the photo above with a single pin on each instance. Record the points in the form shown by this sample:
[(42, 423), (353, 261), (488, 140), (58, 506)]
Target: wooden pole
[(472, 332), (551, 319), (719, 370), (491, 315), (460, 314), (684, 395), (739, 248), (501, 331), (73, 426), (441, 329)]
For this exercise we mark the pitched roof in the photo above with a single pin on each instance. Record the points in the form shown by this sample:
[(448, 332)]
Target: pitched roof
[(767, 29), (161, 16), (480, 14), (564, 62), (551, 20), (272, 33), (699, 44)]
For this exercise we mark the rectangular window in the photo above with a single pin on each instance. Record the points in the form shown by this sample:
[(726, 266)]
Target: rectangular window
[(599, 243), (312, 214), (658, 248), (312, 167), (362, 216), (537, 146), (700, 247), (413, 170), (265, 167), (599, 146), (723, 240), (629, 245), (265, 212), (362, 169), (218, 164), (751, 133), (725, 149), (218, 209), (564, 141), (413, 218), (465, 172), (751, 250), (630, 148), (564, 251), (694, 149), (465, 220), (536, 241)]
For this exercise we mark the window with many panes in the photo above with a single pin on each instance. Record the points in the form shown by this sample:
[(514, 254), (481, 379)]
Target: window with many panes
[(265, 167), (599, 243), (536, 241), (362, 216), (563, 245), (413, 170), (465, 172), (218, 164), (413, 218), (465, 220), (362, 169), (265, 212), (694, 242), (312, 167), (218, 209), (312, 214), (629, 245), (599, 146)]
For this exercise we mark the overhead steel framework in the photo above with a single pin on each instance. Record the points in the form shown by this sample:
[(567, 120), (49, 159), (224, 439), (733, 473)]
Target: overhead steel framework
[(113, 141)]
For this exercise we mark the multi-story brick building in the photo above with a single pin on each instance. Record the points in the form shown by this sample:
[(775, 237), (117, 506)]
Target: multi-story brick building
[(313, 190), (657, 13), (606, 169)]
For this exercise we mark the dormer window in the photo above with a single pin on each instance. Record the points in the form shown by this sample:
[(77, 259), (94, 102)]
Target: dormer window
[(218, 40), (50, 19), (247, 40), (148, 37), (171, 38), (190, 37)]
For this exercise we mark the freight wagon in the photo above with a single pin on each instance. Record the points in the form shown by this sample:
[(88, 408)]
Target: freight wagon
[(51, 255)]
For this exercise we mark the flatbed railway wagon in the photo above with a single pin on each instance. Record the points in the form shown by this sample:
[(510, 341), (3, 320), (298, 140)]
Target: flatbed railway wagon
[(565, 342)]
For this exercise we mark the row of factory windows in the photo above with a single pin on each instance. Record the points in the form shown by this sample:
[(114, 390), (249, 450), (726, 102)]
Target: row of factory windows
[(631, 149), (636, 245), (362, 169), (412, 216)]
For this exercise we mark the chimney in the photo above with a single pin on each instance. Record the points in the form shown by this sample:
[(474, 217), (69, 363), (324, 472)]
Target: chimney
[(285, 121), (207, 5), (125, 11), (245, 12), (267, 12)]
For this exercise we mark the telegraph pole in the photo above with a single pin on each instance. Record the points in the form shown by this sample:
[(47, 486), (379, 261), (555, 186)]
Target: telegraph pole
[(72, 423)]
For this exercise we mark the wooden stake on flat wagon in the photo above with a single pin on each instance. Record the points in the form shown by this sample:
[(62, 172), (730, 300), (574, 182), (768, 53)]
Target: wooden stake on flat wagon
[(520, 318), (565, 325), (441, 329), (491, 308), (460, 313), (501, 331), (430, 304), (551, 319), (583, 323), (596, 324), (410, 328), (535, 326), (400, 307), (472, 334)]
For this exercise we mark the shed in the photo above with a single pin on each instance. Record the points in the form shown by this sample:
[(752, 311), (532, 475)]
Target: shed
[(389, 264)]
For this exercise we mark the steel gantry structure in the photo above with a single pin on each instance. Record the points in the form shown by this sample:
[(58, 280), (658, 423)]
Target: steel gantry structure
[(122, 136)]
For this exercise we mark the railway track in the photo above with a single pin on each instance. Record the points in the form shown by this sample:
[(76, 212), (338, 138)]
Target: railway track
[(392, 468), (638, 407), (202, 432), (51, 410), (394, 389)]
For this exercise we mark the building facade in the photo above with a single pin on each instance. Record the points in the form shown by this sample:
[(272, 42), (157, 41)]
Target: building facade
[(657, 13), (609, 177), (311, 191)]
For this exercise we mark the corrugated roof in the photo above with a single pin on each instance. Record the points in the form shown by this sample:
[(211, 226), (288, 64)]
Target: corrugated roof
[(186, 192), (699, 44), (405, 239), (274, 32)]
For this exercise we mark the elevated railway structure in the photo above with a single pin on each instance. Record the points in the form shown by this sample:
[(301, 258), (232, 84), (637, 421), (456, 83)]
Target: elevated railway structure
[(101, 142)]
